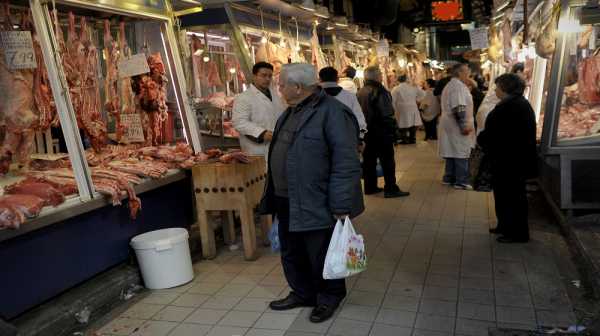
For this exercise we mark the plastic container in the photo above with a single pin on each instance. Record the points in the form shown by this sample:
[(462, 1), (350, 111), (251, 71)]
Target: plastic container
[(164, 257)]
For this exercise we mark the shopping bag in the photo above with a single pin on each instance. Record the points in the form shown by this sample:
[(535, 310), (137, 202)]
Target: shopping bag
[(274, 235), (379, 169), (346, 253), (480, 170)]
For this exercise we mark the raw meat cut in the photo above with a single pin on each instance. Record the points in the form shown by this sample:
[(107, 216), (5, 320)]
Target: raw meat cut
[(546, 41), (213, 74), (18, 114), (235, 156), (318, 59), (28, 205), (10, 216), (112, 102), (50, 195), (66, 185), (589, 80)]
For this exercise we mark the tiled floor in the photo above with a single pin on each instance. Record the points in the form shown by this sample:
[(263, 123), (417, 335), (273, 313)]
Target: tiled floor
[(433, 271)]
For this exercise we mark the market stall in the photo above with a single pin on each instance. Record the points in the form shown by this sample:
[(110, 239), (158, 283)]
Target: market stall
[(570, 143), (96, 134)]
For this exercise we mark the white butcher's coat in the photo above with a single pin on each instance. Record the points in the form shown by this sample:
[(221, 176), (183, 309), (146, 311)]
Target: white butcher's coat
[(349, 99), (348, 84), (487, 105), (254, 113), (405, 97), (451, 142)]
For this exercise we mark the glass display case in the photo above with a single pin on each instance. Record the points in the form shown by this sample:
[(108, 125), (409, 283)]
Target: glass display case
[(570, 142)]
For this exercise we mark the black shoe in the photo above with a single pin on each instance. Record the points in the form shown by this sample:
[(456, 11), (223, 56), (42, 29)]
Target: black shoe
[(395, 193), (495, 231), (373, 191), (321, 313), (509, 240), (290, 302)]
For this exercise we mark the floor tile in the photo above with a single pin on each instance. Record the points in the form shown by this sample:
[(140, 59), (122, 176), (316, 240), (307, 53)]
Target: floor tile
[(476, 311), (476, 296), (388, 330), (190, 300), (549, 318), (190, 329), (435, 322), (440, 293), (371, 285), (400, 302), (143, 311), (173, 314), (121, 326), (275, 321), (155, 328), (235, 290), (441, 280), (221, 302), (358, 313), (522, 300), (344, 327), (247, 279), (421, 332), (206, 316), (437, 307), (227, 331), (240, 319), (299, 333), (251, 304), (206, 288), (473, 328), (160, 298), (266, 292), (405, 289), (396, 317), (515, 315), (365, 298), (264, 332), (302, 323), (476, 283)]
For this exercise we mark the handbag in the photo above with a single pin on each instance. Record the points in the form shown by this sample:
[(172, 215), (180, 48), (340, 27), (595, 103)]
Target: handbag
[(480, 170)]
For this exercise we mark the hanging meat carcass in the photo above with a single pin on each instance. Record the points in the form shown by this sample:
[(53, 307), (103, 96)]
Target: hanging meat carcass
[(232, 63), (318, 59), (507, 50), (151, 94), (546, 41), (126, 96), (214, 79), (112, 102), (18, 114)]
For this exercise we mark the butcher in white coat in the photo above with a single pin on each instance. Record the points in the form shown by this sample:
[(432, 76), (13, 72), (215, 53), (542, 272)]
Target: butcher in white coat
[(256, 110), (405, 97), (329, 82), (456, 129)]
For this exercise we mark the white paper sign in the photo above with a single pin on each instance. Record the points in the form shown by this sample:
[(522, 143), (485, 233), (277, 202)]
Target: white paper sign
[(479, 38), (134, 132), (133, 66), (18, 50)]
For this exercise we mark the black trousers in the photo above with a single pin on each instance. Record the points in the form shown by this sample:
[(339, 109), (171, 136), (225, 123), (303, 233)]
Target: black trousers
[(303, 257), (384, 151), (430, 129), (408, 134), (510, 196)]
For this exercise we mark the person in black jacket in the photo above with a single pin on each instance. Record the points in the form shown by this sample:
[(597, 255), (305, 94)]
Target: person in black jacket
[(376, 103), (508, 141)]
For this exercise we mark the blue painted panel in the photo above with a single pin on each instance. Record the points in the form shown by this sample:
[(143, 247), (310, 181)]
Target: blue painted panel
[(41, 264)]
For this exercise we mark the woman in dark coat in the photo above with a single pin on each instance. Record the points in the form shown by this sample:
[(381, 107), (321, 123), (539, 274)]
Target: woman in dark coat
[(509, 143)]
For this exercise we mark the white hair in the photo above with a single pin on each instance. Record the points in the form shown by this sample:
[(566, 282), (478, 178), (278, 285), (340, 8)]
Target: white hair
[(302, 74), (372, 72)]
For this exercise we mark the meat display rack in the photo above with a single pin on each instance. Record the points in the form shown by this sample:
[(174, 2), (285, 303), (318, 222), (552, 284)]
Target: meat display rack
[(569, 167)]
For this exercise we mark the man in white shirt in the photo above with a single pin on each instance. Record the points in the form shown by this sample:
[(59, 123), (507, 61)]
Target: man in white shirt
[(256, 110), (329, 82), (405, 97), (347, 80)]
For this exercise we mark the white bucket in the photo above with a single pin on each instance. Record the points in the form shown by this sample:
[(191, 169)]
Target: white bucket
[(164, 257)]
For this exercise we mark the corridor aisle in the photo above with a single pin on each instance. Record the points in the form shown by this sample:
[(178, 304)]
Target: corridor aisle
[(434, 270)]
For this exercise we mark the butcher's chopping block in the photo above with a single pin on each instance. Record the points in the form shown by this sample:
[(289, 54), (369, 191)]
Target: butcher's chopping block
[(229, 187)]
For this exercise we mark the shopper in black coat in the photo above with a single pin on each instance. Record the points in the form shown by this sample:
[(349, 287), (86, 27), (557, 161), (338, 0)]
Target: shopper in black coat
[(509, 142), (376, 103)]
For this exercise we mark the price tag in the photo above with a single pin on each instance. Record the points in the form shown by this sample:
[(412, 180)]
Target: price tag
[(134, 132), (18, 50), (479, 38), (133, 66)]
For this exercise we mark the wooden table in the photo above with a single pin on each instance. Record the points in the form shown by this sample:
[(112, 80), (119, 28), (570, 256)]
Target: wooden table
[(230, 187)]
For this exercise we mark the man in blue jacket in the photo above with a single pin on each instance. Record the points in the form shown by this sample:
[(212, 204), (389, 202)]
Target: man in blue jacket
[(313, 179)]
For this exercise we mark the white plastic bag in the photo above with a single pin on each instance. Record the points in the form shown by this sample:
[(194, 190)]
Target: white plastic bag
[(346, 253)]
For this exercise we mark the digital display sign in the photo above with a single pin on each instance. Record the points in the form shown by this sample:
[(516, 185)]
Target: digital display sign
[(442, 11)]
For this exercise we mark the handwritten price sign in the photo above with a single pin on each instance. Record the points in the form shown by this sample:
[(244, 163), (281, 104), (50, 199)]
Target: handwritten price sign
[(134, 132), (18, 50)]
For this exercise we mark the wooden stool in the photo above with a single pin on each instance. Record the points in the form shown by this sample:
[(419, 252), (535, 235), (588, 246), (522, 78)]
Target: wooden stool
[(229, 187)]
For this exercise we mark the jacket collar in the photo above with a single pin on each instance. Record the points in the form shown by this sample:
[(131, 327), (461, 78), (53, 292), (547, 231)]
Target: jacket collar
[(308, 106), (326, 85), (257, 91)]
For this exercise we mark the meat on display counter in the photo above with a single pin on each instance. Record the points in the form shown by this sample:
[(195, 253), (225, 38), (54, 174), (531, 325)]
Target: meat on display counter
[(570, 141), (106, 119)]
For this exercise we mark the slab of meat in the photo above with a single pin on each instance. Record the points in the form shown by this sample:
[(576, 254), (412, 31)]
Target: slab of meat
[(546, 41), (318, 59), (66, 185), (141, 168), (151, 93), (589, 80), (122, 183), (235, 156), (111, 80), (28, 205), (18, 114), (10, 216), (50, 195), (214, 79)]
